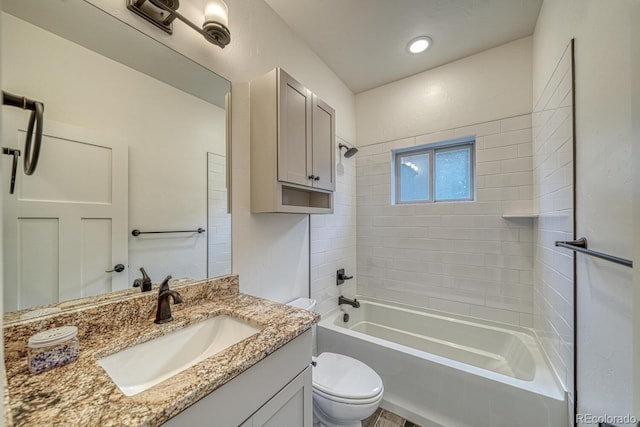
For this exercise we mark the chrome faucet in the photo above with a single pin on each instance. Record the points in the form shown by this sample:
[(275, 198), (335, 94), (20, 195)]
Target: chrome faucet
[(144, 283), (352, 302), (163, 315)]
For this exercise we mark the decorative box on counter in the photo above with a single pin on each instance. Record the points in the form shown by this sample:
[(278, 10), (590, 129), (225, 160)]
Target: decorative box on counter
[(53, 348)]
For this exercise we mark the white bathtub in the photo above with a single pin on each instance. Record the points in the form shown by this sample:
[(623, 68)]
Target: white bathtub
[(440, 369)]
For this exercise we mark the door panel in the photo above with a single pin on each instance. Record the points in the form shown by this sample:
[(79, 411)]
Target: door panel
[(63, 162), (67, 223), (95, 255), (323, 144), (37, 261), (294, 127)]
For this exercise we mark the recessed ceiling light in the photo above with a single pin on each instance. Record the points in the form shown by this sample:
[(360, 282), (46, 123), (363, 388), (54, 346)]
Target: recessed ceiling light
[(419, 44)]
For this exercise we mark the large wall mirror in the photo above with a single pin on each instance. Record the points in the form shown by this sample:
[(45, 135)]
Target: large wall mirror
[(134, 138)]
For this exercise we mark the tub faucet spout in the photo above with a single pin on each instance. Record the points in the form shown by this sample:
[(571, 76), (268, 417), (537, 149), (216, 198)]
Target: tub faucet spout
[(352, 302)]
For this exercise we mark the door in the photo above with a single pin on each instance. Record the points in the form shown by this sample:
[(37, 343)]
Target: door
[(66, 224), (294, 131), (324, 147)]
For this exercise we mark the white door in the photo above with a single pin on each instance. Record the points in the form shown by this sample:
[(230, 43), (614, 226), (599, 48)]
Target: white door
[(66, 224)]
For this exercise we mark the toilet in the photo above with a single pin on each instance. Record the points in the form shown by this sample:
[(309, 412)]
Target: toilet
[(345, 390)]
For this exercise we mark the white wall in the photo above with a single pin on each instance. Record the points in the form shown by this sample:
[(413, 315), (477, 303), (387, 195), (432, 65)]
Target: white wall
[(604, 80), (270, 251), (168, 133), (490, 85)]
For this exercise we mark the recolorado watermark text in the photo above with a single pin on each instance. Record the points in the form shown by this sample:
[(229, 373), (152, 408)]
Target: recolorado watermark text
[(606, 419)]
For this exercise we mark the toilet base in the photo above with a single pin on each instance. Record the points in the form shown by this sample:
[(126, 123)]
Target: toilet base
[(320, 419)]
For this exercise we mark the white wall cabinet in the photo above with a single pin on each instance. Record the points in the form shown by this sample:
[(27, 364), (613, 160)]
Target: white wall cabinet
[(292, 147), (274, 392)]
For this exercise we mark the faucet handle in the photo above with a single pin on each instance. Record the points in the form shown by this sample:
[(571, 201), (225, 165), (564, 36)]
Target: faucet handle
[(144, 282), (164, 286)]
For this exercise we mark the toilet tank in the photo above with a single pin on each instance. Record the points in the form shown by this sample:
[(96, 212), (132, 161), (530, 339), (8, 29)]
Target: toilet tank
[(303, 303)]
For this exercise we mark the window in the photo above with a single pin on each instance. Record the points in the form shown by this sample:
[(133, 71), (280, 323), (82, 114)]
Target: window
[(438, 172)]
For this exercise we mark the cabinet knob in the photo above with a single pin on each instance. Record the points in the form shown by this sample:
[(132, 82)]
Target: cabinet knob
[(311, 177), (316, 178)]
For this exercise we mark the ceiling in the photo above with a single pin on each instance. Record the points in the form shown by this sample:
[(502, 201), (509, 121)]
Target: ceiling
[(365, 41)]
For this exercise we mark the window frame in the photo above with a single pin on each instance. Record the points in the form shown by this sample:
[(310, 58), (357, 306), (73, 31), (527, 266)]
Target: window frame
[(432, 149)]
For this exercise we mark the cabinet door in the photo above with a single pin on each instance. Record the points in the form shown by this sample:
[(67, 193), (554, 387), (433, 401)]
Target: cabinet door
[(294, 132), (292, 406), (323, 151)]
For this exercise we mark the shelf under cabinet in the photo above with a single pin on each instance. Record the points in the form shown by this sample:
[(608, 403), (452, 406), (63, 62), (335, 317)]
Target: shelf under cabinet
[(301, 200)]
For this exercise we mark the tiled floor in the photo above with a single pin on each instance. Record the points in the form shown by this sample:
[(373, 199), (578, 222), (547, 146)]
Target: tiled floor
[(384, 418)]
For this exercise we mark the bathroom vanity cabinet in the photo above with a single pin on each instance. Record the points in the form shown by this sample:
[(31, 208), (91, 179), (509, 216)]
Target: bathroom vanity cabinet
[(292, 147), (275, 392)]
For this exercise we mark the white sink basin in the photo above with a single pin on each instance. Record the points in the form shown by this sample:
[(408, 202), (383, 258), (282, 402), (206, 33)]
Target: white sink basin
[(140, 367)]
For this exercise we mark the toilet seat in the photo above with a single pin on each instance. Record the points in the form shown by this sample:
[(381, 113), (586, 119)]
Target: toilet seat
[(343, 379), (338, 399)]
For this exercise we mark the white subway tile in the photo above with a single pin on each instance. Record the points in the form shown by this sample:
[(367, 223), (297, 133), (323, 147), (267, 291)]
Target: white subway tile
[(495, 314), (508, 138), (526, 320), (435, 137), (488, 168), (367, 150), (481, 129), (517, 206), (521, 164), (498, 194), (515, 123), (449, 306), (397, 144), (499, 153), (478, 247), (514, 179), (525, 150)]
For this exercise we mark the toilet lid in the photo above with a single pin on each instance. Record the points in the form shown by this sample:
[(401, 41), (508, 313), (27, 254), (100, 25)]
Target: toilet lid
[(342, 376)]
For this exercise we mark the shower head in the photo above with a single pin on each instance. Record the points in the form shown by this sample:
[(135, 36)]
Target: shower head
[(350, 151)]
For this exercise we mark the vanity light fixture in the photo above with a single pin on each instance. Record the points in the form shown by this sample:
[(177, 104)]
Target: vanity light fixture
[(419, 44), (162, 13)]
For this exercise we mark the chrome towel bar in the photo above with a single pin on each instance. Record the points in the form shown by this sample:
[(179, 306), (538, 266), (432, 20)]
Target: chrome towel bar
[(137, 232), (580, 245)]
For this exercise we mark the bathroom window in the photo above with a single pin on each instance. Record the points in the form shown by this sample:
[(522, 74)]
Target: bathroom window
[(441, 172)]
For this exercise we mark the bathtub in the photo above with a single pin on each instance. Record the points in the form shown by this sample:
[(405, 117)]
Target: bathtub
[(440, 369)]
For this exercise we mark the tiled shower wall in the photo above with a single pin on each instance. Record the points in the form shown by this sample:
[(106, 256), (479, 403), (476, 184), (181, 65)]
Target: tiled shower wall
[(553, 200), (333, 239), (219, 219), (461, 257)]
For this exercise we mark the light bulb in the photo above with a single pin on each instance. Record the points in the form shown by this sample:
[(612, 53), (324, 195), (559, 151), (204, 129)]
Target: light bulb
[(216, 11), (419, 44)]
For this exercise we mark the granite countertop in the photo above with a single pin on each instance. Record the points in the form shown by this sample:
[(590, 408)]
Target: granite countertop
[(82, 393)]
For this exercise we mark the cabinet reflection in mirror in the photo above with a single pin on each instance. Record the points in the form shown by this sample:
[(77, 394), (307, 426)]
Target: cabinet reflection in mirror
[(134, 138)]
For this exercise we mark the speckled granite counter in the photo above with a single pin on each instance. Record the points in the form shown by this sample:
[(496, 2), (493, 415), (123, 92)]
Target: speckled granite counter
[(82, 393)]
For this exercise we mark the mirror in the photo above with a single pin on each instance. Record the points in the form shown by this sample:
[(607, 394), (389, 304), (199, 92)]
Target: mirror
[(134, 138)]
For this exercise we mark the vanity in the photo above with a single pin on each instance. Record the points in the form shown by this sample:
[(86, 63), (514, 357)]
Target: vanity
[(262, 380)]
